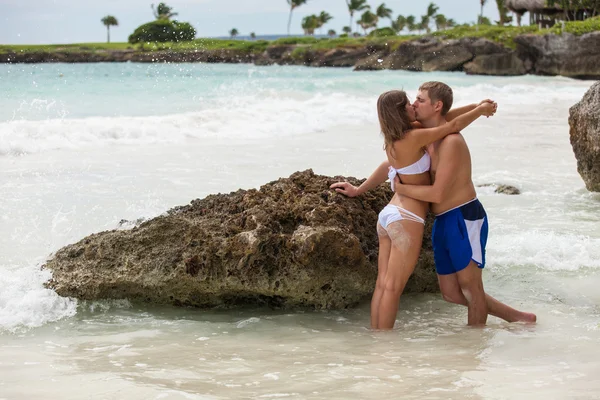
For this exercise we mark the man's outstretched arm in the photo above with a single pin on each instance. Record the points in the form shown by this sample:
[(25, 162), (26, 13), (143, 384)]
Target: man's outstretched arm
[(458, 111), (444, 178)]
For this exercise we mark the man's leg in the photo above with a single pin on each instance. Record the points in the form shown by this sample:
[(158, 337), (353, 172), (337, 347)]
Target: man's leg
[(452, 293), (471, 286)]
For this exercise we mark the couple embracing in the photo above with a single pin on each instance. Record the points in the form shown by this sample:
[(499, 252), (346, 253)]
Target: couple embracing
[(429, 164)]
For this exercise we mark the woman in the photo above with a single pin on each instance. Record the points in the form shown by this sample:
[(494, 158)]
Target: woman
[(401, 223)]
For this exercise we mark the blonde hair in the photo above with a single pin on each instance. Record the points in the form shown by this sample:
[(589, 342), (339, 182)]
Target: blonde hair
[(439, 91), (393, 118)]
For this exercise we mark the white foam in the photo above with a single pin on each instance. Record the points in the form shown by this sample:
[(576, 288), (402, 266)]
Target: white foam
[(546, 250), (247, 117), (25, 303), (522, 94)]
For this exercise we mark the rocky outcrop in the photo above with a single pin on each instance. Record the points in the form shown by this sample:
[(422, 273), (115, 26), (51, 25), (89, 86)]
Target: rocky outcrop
[(293, 243), (501, 188), (566, 54), (341, 57), (584, 122), (207, 56), (502, 64), (507, 189), (425, 54), (473, 55), (373, 62)]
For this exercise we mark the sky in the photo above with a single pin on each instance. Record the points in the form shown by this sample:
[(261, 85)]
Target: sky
[(78, 21)]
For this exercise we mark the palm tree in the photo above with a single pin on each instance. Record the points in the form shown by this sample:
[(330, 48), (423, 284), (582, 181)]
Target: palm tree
[(384, 12), (482, 2), (324, 18), (309, 24), (331, 33), (109, 21), (503, 12), (252, 35), (163, 11), (399, 24), (293, 4), (432, 10), (424, 25), (450, 23), (367, 20), (440, 22), (354, 6), (410, 23), (347, 30), (233, 33)]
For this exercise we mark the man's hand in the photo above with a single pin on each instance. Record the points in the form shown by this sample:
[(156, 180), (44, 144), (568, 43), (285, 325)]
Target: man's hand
[(345, 188), (398, 186), (487, 107)]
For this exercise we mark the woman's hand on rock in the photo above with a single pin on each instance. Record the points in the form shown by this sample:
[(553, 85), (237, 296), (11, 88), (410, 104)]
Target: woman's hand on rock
[(345, 188)]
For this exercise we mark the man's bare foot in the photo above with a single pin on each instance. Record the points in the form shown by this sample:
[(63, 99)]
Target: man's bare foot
[(527, 317)]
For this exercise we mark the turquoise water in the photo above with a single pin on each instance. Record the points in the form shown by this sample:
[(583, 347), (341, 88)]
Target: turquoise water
[(42, 91), (84, 146)]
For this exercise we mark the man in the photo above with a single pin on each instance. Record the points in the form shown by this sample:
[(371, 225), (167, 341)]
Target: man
[(460, 230)]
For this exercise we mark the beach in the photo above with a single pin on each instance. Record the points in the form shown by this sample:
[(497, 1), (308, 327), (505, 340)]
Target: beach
[(84, 147)]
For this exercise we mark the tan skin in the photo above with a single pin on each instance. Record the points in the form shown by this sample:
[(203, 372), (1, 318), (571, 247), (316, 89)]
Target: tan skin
[(453, 186), (397, 258)]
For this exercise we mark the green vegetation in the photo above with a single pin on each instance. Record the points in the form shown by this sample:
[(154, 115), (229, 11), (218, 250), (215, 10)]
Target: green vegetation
[(578, 27), (74, 48), (383, 32), (500, 34), (346, 42), (163, 30), (380, 37)]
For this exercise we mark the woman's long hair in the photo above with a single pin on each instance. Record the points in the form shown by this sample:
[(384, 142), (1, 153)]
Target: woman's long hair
[(393, 118)]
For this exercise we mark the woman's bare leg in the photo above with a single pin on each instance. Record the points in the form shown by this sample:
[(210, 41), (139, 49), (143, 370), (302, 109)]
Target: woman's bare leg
[(406, 238), (385, 246)]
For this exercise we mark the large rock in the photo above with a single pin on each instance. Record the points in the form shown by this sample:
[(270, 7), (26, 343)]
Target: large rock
[(482, 46), (566, 54), (506, 64), (340, 57), (293, 243), (584, 122), (85, 56), (373, 62), (426, 54)]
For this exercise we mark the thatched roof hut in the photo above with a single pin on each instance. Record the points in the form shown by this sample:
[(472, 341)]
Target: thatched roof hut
[(541, 13), (533, 6)]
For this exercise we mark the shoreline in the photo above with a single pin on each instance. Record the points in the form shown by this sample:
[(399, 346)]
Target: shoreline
[(564, 54)]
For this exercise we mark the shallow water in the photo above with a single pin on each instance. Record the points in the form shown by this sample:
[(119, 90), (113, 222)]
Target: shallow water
[(106, 142)]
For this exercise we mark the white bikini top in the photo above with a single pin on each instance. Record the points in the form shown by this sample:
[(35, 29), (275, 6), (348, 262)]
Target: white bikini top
[(418, 167)]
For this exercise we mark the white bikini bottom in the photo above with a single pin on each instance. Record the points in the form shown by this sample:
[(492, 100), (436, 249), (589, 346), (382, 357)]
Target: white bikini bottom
[(392, 213)]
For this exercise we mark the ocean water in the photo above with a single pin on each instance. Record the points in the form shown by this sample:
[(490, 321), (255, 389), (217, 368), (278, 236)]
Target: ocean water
[(84, 146)]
